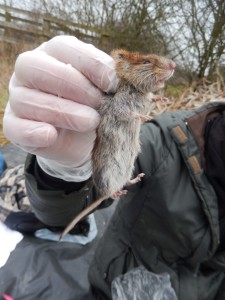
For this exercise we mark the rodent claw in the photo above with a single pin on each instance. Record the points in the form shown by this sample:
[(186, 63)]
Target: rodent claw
[(119, 194), (136, 179), (160, 99)]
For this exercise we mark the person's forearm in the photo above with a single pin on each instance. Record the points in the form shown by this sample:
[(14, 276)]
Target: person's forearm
[(54, 201)]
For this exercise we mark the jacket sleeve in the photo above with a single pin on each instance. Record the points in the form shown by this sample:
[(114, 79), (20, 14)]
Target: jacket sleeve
[(56, 202)]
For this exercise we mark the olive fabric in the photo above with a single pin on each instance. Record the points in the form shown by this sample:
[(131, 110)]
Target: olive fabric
[(45, 270), (168, 222), (58, 204)]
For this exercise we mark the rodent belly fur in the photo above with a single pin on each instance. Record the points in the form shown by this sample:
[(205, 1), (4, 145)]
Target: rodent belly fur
[(117, 142)]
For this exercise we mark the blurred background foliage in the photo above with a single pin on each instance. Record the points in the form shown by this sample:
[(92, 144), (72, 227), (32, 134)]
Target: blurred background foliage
[(190, 32)]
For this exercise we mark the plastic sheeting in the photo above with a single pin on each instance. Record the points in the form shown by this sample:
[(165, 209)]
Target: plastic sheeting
[(140, 284)]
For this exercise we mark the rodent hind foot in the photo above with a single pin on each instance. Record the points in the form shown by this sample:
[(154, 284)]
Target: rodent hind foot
[(118, 194), (136, 179)]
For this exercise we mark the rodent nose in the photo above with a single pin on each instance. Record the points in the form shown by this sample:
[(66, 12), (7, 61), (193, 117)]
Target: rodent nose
[(172, 66)]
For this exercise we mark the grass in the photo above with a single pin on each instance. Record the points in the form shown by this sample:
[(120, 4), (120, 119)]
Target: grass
[(174, 91), (8, 54), (6, 70)]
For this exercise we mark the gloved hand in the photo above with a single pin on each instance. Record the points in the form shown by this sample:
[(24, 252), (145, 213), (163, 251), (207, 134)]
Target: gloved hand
[(53, 95)]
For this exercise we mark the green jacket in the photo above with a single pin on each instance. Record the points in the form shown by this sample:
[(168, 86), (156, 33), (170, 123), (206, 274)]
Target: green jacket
[(169, 222)]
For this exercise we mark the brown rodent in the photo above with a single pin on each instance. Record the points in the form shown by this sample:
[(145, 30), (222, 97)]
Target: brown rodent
[(117, 142)]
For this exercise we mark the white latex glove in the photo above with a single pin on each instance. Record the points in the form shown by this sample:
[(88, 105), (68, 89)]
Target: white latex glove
[(53, 95)]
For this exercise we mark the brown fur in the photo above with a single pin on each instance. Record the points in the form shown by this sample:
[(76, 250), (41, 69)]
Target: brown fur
[(146, 73)]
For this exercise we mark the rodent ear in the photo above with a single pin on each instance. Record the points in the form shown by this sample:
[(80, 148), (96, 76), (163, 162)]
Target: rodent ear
[(119, 54)]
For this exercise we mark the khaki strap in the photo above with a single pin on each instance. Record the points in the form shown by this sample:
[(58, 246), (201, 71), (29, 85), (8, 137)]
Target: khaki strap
[(193, 161), (179, 133)]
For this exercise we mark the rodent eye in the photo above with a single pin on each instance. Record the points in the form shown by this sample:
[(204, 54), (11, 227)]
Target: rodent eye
[(146, 62), (121, 55)]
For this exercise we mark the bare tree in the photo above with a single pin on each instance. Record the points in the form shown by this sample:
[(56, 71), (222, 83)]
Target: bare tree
[(191, 32), (199, 40), (130, 24), (135, 25)]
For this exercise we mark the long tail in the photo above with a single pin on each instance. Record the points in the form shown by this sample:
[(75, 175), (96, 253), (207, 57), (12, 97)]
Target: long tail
[(82, 214)]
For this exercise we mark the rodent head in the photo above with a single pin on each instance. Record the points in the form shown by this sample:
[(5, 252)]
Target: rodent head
[(147, 73)]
